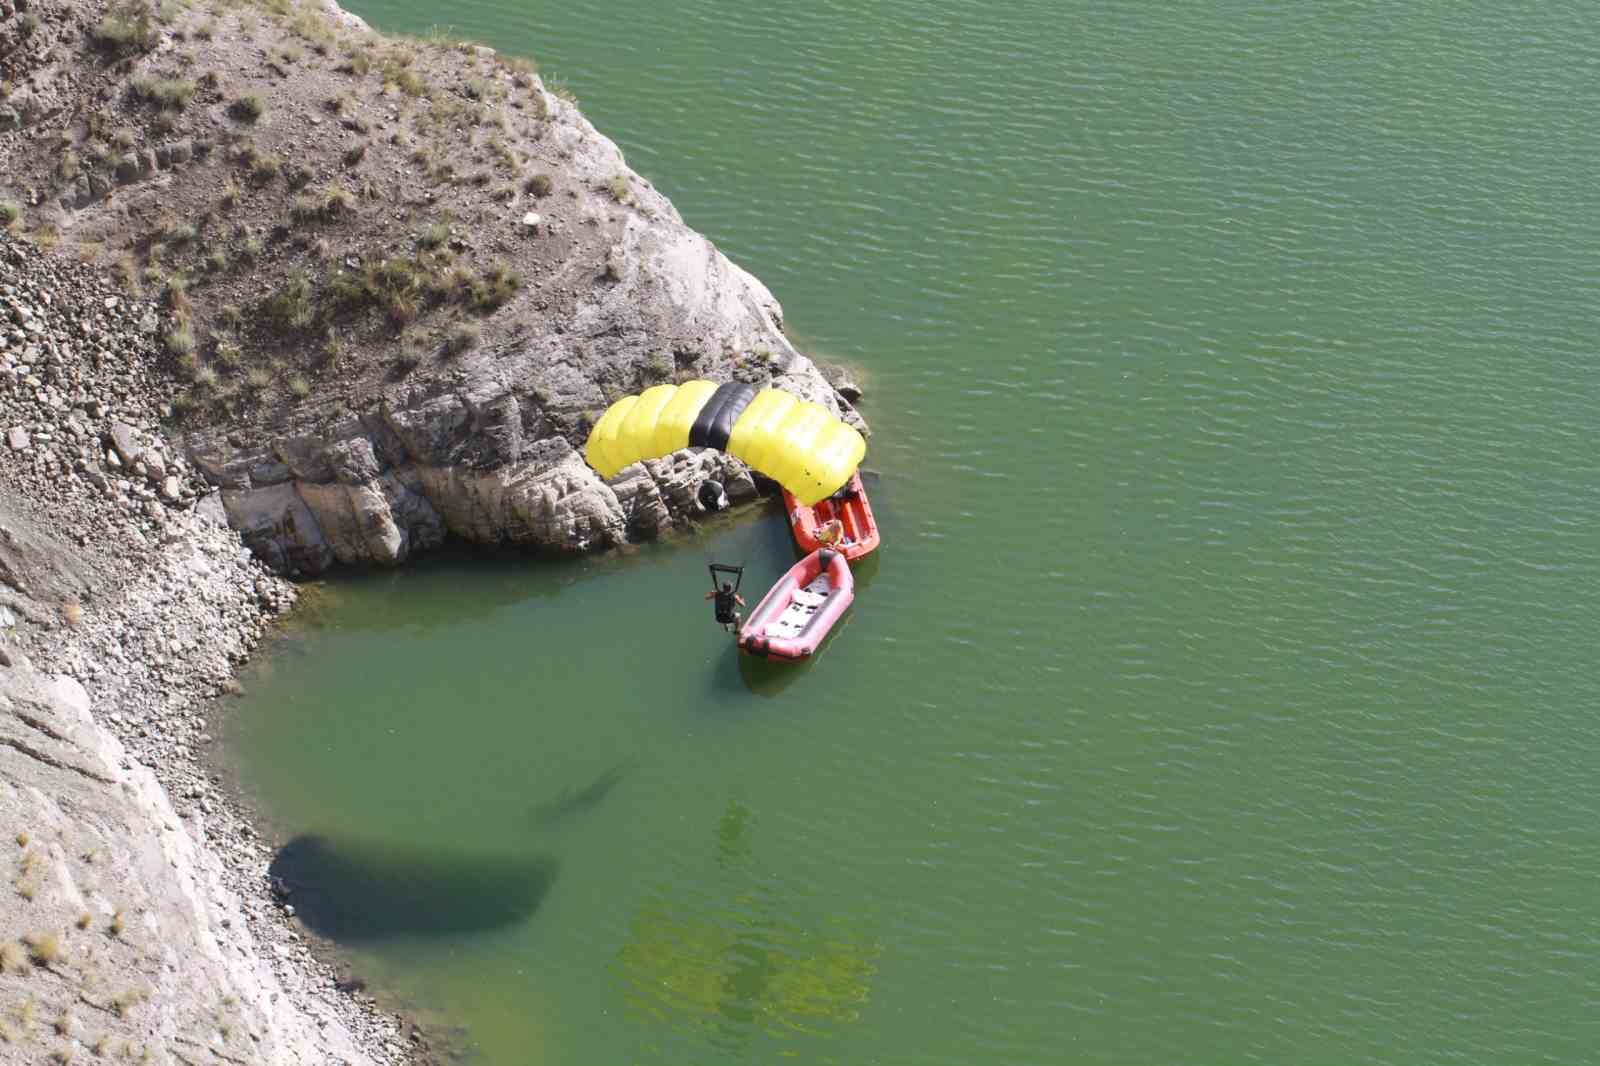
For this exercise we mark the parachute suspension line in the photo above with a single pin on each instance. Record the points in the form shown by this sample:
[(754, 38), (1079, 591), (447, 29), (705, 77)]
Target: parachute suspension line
[(724, 568)]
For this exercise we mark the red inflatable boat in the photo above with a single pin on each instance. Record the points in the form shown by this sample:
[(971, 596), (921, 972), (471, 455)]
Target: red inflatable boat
[(791, 620), (849, 505)]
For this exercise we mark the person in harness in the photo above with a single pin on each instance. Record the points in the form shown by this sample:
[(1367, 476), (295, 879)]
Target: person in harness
[(727, 595), (727, 605)]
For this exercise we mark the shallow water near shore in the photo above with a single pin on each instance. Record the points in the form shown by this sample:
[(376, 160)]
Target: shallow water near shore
[(1223, 691)]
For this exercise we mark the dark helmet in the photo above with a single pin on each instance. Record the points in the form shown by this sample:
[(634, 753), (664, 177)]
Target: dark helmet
[(711, 496)]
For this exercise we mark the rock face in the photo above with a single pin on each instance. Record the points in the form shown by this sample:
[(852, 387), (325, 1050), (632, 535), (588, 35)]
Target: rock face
[(149, 951), (125, 601), (492, 453)]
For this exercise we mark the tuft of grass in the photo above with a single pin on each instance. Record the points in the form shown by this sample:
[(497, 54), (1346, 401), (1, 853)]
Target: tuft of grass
[(9, 213), (248, 108), (331, 203), (298, 176), (13, 959), (118, 924), (167, 94), (357, 61), (462, 337), (23, 838), (619, 189), (172, 230), (69, 167), (129, 31), (355, 153), (206, 30), (538, 185), (258, 378), (84, 920), (124, 1002), (405, 79), (230, 194), (43, 948), (264, 167), (180, 339), (334, 347), (434, 236), (299, 387), (291, 307), (494, 288)]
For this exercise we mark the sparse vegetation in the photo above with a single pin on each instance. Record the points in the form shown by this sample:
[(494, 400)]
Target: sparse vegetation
[(462, 337), (331, 203), (538, 185), (299, 387), (117, 924), (619, 189), (180, 339), (84, 920), (13, 959), (291, 307), (130, 30), (433, 236), (264, 167), (168, 94), (124, 1002), (43, 948), (9, 213), (248, 108)]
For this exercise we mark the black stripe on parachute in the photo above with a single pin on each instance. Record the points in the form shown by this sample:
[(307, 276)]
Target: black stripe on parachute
[(714, 424)]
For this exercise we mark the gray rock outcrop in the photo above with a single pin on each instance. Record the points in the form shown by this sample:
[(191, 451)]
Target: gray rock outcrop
[(491, 453)]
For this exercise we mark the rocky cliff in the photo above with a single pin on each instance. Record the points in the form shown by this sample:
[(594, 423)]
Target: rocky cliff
[(399, 279), (136, 919)]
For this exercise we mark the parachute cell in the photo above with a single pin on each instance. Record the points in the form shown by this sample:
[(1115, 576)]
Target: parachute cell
[(798, 444)]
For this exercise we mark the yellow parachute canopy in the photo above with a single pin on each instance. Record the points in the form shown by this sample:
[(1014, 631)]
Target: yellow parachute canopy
[(798, 444)]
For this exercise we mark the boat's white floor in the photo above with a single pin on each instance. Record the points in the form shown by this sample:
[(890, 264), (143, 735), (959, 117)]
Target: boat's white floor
[(806, 602)]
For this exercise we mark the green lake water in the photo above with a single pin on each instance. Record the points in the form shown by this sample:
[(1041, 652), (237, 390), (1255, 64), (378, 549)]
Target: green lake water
[(1224, 690)]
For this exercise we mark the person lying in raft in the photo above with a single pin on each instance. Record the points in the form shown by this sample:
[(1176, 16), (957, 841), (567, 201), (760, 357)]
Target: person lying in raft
[(726, 608), (831, 534)]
